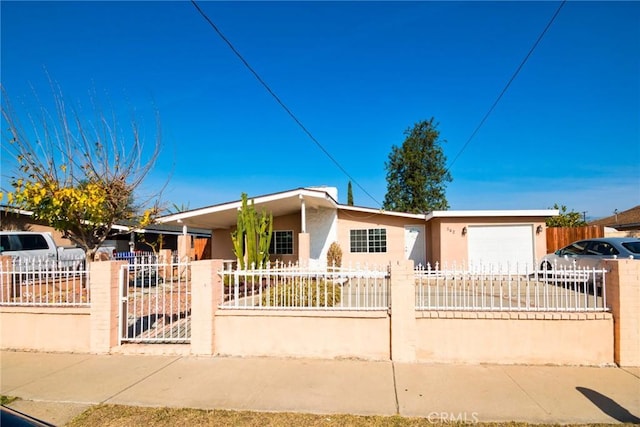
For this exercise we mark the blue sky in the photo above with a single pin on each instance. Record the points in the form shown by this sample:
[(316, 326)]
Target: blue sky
[(357, 75)]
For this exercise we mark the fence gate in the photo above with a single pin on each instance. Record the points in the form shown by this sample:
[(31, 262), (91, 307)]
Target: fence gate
[(155, 300)]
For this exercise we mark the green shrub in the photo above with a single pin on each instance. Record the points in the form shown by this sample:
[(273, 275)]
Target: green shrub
[(302, 294)]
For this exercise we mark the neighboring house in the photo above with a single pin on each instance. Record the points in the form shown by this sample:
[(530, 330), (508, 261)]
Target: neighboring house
[(625, 223), (121, 236), (307, 220), (21, 220)]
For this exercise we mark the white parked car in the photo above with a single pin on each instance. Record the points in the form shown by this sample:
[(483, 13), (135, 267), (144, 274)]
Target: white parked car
[(39, 249), (591, 252)]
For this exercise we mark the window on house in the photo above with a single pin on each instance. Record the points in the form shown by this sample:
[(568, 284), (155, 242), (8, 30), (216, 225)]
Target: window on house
[(281, 243), (368, 240)]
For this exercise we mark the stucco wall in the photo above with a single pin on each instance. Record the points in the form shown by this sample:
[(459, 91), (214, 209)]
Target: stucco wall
[(515, 338), (288, 223), (322, 228), (45, 329), (322, 334), (221, 245), (350, 220)]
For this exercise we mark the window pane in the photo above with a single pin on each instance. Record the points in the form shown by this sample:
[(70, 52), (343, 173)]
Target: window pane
[(358, 240), (378, 240), (32, 242), (632, 247), (281, 243), (575, 249), (371, 240)]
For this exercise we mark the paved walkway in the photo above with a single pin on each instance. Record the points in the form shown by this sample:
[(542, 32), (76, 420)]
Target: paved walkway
[(55, 387)]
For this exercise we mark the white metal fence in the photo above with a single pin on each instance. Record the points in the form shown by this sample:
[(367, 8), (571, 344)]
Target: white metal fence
[(289, 286), (155, 296), (44, 282), (559, 289), (141, 257)]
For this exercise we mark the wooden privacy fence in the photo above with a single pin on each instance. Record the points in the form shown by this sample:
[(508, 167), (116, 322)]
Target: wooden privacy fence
[(559, 237), (202, 248)]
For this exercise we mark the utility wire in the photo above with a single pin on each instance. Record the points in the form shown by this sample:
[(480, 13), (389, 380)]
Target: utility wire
[(515, 74), (278, 100)]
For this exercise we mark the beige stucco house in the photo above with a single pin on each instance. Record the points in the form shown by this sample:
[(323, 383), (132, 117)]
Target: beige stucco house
[(307, 220)]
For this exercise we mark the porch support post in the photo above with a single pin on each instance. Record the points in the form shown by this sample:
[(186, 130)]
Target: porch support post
[(185, 243), (303, 215)]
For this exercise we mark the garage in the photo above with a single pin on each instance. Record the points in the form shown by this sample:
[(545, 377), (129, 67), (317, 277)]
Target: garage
[(505, 247)]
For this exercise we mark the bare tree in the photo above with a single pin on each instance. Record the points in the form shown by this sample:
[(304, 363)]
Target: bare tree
[(79, 173)]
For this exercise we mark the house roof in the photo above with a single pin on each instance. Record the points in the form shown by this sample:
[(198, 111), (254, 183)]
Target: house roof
[(625, 220), (124, 227), (224, 216)]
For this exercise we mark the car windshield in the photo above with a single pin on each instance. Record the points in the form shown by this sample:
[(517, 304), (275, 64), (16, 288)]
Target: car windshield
[(576, 248), (633, 247)]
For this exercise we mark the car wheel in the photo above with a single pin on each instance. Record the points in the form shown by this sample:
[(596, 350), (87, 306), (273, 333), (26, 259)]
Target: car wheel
[(546, 265)]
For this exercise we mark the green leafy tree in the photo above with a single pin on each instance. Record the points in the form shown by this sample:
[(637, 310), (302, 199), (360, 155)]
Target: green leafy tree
[(78, 174), (349, 194), (416, 171), (565, 219)]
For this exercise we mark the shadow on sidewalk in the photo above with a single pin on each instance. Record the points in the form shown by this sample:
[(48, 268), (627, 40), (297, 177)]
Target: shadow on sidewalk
[(609, 406)]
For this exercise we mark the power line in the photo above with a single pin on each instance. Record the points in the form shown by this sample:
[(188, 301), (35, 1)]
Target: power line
[(278, 100), (515, 74)]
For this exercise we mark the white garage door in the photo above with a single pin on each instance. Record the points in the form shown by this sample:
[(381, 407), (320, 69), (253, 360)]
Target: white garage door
[(505, 247)]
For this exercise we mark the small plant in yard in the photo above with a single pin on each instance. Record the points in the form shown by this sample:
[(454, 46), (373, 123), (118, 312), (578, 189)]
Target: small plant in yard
[(334, 255), (5, 400), (302, 294)]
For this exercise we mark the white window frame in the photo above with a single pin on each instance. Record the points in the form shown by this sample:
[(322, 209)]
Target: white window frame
[(274, 247), (375, 238)]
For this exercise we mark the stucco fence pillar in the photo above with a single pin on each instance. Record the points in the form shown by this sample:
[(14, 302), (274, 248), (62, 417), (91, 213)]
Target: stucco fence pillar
[(623, 297), (403, 312), (104, 279), (206, 296)]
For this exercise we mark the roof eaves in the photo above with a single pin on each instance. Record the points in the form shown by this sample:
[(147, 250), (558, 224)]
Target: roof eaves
[(493, 213), (380, 211)]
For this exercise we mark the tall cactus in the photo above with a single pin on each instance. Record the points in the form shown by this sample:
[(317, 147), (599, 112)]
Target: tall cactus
[(252, 236), (249, 218), (237, 237), (265, 232)]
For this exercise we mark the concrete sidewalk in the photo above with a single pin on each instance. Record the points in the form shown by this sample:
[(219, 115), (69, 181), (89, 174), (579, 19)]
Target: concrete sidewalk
[(55, 387)]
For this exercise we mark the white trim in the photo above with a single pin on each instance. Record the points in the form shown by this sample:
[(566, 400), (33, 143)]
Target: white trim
[(491, 213), (303, 215), (381, 212), (256, 200)]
